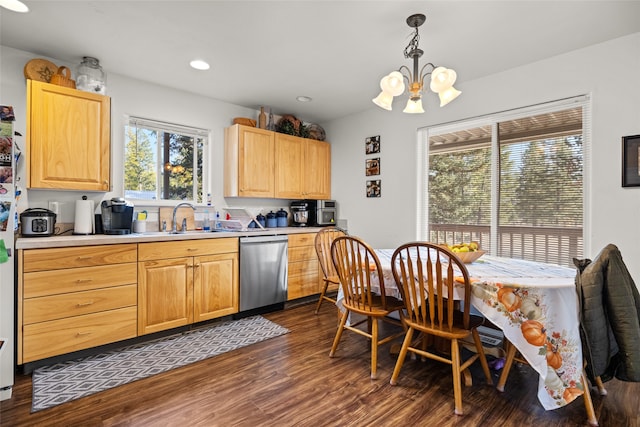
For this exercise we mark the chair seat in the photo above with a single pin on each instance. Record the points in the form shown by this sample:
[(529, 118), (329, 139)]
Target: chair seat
[(332, 279), (376, 308), (457, 330)]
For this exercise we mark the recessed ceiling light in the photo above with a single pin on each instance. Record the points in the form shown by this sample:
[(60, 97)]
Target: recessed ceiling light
[(15, 5), (198, 64), (304, 98)]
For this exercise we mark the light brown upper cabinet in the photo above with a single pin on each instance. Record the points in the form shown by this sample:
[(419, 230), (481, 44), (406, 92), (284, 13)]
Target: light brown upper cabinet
[(248, 165), (262, 163), (68, 137), (303, 168), (317, 163)]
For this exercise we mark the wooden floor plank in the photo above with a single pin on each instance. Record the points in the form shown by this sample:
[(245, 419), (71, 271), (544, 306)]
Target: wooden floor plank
[(291, 381)]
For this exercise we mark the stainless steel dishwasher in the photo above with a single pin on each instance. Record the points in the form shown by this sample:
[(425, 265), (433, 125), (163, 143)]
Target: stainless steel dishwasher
[(263, 273)]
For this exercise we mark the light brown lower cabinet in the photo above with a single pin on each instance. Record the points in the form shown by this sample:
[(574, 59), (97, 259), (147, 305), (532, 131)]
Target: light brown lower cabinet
[(183, 282), (304, 277), (75, 298), (71, 299)]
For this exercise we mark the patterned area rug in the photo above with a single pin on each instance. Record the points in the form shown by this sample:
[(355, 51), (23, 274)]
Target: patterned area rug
[(63, 382)]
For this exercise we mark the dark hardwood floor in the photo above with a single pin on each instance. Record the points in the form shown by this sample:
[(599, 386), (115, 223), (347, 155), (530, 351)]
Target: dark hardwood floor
[(291, 381)]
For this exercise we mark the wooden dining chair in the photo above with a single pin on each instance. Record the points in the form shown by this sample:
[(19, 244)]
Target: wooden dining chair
[(427, 275), (323, 241), (358, 269)]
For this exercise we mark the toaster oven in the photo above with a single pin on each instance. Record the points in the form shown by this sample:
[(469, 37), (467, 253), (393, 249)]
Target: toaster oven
[(326, 212)]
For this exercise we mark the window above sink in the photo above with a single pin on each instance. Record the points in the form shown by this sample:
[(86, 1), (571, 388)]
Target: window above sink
[(163, 162)]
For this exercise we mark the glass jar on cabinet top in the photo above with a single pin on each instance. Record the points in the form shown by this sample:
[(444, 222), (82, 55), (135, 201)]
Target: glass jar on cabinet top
[(90, 76)]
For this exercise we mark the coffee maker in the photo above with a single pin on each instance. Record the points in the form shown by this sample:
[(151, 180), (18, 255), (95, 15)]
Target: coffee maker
[(117, 216), (303, 213)]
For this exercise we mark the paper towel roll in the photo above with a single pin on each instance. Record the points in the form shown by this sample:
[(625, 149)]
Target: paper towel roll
[(84, 220)]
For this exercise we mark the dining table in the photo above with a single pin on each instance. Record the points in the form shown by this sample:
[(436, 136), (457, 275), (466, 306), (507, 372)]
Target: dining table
[(536, 307)]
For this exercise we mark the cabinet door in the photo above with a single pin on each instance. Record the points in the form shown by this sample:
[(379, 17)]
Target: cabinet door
[(68, 136), (215, 286), (165, 294), (317, 184), (290, 168), (249, 162)]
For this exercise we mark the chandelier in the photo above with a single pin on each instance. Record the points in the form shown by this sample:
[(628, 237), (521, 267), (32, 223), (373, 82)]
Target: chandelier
[(393, 84)]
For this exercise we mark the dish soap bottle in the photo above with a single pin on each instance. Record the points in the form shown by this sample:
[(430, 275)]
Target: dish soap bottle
[(206, 224)]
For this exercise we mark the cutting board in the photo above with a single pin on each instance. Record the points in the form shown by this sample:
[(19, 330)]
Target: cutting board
[(166, 214)]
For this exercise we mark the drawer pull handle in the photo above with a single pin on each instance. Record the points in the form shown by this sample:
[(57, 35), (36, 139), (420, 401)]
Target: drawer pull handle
[(83, 258), (191, 249), (81, 334), (84, 304), (80, 281)]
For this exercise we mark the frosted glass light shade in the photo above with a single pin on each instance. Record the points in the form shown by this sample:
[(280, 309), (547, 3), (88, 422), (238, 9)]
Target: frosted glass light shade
[(448, 95), (442, 79), (14, 5), (414, 107), (383, 100), (393, 83)]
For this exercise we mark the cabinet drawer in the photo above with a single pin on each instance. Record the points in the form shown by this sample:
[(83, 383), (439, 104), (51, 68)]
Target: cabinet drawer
[(305, 267), (182, 248), (302, 253), (303, 239), (42, 283), (46, 339), (78, 303), (302, 286), (79, 256)]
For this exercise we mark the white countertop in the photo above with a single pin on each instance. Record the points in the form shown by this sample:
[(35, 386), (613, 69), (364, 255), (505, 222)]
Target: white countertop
[(156, 236)]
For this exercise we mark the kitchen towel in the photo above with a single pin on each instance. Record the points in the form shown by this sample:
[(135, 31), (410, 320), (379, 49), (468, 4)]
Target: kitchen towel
[(84, 219)]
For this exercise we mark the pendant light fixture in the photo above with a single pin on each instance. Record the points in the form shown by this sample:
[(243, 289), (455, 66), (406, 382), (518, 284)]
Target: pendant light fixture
[(393, 84)]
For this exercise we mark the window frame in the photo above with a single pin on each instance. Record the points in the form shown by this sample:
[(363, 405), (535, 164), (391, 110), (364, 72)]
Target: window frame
[(422, 141), (167, 127)]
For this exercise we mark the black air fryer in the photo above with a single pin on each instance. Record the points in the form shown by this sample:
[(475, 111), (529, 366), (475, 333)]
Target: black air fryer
[(117, 216)]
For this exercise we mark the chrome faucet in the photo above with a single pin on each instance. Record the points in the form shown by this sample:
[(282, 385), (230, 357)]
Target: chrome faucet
[(174, 228)]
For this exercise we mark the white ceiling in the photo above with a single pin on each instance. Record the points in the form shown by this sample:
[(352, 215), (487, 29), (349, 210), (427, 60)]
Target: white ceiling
[(269, 52)]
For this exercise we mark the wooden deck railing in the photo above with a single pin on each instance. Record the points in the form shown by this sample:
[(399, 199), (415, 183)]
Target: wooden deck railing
[(543, 244)]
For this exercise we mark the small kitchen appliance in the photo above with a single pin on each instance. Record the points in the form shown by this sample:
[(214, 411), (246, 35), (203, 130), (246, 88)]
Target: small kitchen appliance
[(117, 216), (38, 222), (326, 212), (301, 213)]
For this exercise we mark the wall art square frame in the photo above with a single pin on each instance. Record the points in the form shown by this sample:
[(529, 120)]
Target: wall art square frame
[(631, 161), (372, 144), (374, 188), (372, 166)]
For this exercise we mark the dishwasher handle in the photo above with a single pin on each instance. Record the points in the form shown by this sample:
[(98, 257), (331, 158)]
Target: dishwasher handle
[(263, 239)]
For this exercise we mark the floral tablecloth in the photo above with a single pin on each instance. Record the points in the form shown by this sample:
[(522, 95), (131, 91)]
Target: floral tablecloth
[(536, 307)]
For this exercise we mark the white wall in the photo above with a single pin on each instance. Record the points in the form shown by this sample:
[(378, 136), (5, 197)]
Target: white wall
[(608, 72), (132, 97)]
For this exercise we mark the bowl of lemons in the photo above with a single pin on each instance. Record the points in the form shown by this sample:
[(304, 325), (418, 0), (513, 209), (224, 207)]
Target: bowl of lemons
[(467, 252)]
